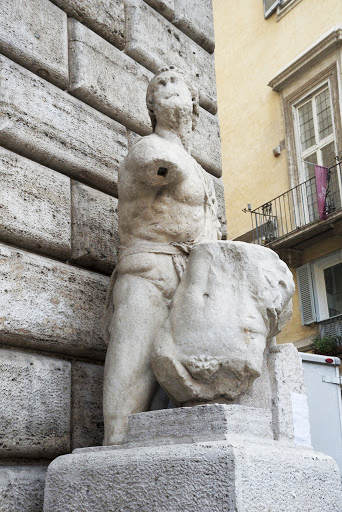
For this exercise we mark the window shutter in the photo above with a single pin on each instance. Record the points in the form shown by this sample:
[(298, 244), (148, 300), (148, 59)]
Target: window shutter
[(269, 7), (306, 294)]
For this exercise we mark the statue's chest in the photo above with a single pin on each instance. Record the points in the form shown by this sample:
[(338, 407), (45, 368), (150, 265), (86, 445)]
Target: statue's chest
[(192, 189)]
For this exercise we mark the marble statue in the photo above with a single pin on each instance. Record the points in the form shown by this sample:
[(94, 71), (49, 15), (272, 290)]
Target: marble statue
[(236, 298), (203, 335)]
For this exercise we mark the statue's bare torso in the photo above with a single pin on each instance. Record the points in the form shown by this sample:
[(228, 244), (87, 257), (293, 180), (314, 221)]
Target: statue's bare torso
[(162, 193)]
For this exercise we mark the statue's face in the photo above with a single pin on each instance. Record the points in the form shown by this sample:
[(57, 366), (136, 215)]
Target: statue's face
[(171, 95)]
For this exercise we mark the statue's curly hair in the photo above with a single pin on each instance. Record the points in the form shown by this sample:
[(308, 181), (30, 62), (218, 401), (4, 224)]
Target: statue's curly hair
[(193, 91)]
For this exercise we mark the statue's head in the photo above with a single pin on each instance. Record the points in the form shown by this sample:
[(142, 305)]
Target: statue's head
[(171, 90)]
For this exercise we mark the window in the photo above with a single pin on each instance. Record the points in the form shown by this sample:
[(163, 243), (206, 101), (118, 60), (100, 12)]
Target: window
[(320, 288), (309, 87), (281, 6), (270, 6), (315, 133), (314, 130), (285, 6)]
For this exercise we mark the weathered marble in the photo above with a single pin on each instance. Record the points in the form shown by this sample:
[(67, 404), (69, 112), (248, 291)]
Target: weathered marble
[(195, 19), (107, 79), (95, 238), (168, 46), (239, 474), (35, 35), (164, 7), (22, 488), (86, 405), (199, 424), (221, 205), (232, 299), (206, 144), (106, 17), (49, 305), (287, 381), (167, 204), (34, 405), (34, 206), (40, 121), (197, 324)]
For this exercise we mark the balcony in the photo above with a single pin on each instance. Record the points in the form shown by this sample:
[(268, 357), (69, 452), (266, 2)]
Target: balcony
[(292, 220)]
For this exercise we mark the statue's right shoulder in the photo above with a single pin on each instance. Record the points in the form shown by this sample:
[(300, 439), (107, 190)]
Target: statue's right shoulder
[(146, 142), (145, 151)]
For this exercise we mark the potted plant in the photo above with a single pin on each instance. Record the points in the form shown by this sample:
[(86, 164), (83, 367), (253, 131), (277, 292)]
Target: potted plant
[(327, 345)]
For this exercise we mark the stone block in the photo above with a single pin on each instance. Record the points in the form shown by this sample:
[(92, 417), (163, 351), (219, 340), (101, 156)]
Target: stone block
[(199, 424), (95, 238), (107, 79), (34, 405), (86, 409), (221, 206), (206, 143), (286, 373), (49, 305), (195, 19), (164, 7), (34, 206), (34, 34), (105, 17), (154, 42), (22, 488), (48, 125), (237, 476)]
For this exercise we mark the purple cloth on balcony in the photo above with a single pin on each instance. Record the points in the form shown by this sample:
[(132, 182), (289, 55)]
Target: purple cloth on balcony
[(321, 174)]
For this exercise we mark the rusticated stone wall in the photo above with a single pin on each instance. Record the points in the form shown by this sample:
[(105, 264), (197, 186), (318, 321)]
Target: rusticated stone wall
[(73, 79)]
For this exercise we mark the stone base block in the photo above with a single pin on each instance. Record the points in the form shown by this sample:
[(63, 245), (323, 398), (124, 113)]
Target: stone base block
[(233, 476), (22, 488)]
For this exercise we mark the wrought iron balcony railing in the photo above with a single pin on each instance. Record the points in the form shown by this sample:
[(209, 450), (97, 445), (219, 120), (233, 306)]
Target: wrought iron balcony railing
[(295, 208)]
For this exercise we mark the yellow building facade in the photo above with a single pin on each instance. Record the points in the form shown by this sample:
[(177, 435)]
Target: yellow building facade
[(278, 72)]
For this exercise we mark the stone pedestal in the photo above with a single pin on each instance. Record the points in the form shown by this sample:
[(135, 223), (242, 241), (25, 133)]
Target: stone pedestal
[(205, 458)]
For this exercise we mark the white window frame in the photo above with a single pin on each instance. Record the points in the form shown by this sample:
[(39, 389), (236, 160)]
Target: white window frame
[(285, 6), (271, 9), (312, 291), (320, 291), (302, 155), (302, 215)]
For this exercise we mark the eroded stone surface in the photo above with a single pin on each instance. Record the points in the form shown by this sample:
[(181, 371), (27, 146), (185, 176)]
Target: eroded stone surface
[(206, 143), (196, 20), (221, 207), (199, 424), (34, 34), (164, 7), (232, 299), (34, 405), (205, 146), (22, 488), (42, 122), (95, 237), (50, 305), (34, 206), (107, 79), (286, 373), (216, 476), (166, 205), (169, 46), (106, 17), (86, 410)]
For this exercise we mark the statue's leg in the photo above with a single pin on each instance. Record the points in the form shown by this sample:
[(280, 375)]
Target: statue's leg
[(129, 383)]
